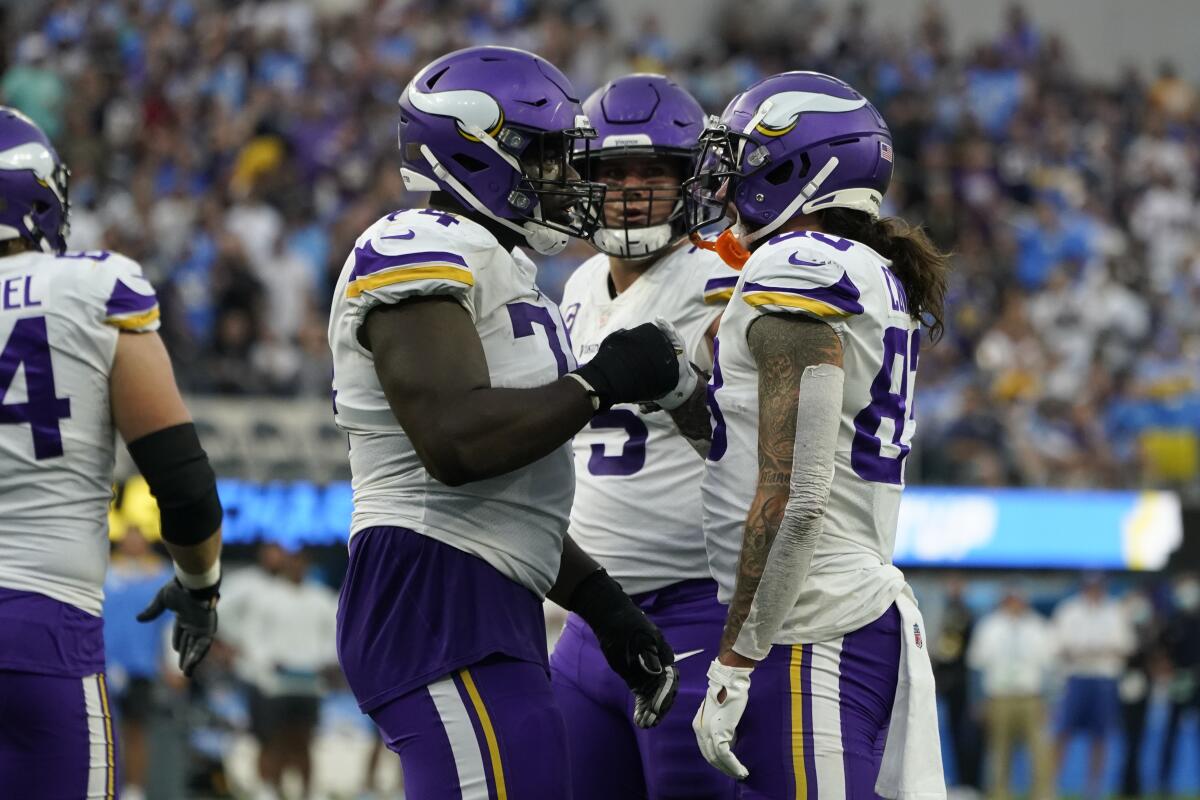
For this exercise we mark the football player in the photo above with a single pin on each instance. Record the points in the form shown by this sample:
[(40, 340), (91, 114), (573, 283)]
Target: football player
[(79, 356), (456, 384), (637, 483), (811, 404)]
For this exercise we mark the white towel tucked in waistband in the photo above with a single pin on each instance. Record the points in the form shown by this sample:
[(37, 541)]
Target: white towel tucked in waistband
[(912, 756)]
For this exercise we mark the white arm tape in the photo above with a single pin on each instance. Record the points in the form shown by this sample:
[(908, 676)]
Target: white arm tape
[(818, 415), (201, 581)]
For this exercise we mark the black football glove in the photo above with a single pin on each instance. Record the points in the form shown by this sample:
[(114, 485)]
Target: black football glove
[(632, 365), (195, 620), (633, 646)]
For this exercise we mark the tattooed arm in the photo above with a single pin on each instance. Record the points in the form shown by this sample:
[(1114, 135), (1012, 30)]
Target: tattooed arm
[(785, 349)]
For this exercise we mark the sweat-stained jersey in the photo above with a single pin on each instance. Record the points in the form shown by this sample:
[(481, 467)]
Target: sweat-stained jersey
[(848, 285), (59, 321), (515, 522), (637, 504)]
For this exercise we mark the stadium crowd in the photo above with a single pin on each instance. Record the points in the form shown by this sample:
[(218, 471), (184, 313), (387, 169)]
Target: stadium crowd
[(236, 149)]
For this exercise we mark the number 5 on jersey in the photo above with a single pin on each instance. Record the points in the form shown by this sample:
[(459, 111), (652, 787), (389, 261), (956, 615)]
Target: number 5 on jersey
[(28, 346)]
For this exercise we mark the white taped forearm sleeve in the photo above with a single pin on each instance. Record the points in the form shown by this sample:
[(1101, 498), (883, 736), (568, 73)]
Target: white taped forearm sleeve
[(818, 415)]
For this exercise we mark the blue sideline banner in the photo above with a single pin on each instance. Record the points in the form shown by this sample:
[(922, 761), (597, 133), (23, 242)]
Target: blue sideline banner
[(939, 527), (1005, 528)]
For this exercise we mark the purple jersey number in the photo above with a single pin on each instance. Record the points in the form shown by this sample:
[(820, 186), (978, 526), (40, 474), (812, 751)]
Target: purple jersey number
[(525, 315), (719, 438), (891, 399), (633, 451), (29, 346)]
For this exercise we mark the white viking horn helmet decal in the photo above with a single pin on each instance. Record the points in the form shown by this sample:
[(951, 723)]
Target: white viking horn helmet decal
[(32, 156), (782, 111), (470, 108)]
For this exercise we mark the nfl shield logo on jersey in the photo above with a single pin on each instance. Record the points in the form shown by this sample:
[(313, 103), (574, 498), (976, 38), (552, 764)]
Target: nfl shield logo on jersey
[(917, 635)]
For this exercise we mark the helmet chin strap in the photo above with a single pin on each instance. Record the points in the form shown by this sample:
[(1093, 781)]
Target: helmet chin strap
[(546, 241), (810, 189), (633, 243)]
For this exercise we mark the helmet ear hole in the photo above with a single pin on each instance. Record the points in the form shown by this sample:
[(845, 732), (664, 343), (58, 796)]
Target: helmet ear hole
[(780, 174), (469, 163), (805, 166)]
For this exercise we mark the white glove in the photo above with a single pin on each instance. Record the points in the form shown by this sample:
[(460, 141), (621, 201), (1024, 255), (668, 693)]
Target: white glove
[(688, 376), (716, 722)]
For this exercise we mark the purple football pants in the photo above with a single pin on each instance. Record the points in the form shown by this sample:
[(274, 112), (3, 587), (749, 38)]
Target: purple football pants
[(56, 738), (818, 715), (489, 731), (448, 656), (610, 756)]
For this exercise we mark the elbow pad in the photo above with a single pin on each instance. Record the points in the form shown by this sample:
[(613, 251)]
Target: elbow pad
[(176, 468)]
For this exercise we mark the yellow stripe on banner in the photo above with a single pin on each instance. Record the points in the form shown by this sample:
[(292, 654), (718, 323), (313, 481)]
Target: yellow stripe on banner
[(798, 722), (793, 301), (110, 790), (369, 282), (133, 323), (719, 296), (489, 733)]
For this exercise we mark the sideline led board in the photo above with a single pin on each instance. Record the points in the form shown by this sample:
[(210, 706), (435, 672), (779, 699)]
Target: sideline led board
[(1038, 528), (982, 528)]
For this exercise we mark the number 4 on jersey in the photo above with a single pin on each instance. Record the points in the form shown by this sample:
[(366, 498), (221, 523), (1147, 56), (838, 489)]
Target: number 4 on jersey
[(883, 430), (29, 346)]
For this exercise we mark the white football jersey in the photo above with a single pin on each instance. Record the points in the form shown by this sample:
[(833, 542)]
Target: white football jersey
[(637, 481), (516, 521), (59, 321), (848, 285)]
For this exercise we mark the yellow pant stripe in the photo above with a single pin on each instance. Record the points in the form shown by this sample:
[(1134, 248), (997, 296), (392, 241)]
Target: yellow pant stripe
[(110, 762), (489, 733), (798, 722)]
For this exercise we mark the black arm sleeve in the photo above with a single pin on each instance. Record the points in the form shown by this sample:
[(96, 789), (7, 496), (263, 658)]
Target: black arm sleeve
[(176, 468)]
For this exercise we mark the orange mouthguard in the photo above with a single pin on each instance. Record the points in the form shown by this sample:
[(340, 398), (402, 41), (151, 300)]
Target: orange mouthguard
[(726, 246)]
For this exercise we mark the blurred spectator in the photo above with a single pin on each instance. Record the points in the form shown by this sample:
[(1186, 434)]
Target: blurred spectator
[(1181, 640), (289, 654), (949, 653), (1171, 93), (1095, 637), (1136, 684), (1014, 648), (134, 651), (34, 86)]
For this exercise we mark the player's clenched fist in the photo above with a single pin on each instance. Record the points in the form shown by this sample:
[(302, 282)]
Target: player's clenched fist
[(633, 645), (632, 365)]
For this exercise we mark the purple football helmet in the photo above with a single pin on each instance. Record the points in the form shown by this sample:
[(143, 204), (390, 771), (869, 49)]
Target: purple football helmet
[(495, 128), (791, 144), (33, 185), (642, 116)]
